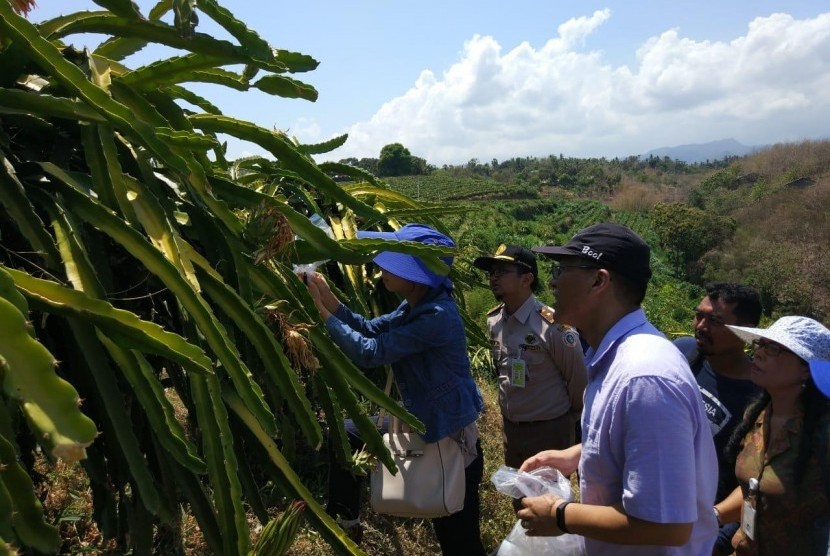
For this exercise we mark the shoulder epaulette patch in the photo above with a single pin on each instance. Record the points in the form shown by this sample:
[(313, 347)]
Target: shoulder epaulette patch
[(547, 314), (570, 338), (494, 309)]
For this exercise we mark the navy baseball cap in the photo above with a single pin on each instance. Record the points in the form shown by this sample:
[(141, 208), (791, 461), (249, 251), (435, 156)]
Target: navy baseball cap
[(611, 246), (410, 267), (509, 254)]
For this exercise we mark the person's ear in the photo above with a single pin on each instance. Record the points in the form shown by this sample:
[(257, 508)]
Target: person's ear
[(602, 279)]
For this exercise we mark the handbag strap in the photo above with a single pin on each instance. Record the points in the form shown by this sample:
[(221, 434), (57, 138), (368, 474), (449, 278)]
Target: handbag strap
[(395, 423), (390, 378)]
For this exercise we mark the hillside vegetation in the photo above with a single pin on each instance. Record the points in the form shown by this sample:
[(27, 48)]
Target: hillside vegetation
[(167, 386), (761, 219)]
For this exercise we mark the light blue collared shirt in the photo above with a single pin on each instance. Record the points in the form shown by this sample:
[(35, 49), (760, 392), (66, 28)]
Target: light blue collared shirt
[(646, 440)]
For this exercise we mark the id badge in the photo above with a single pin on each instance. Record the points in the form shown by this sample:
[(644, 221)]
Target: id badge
[(748, 520), (518, 370)]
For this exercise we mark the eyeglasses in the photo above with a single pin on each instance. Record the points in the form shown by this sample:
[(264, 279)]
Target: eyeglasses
[(499, 271), (770, 348), (556, 270)]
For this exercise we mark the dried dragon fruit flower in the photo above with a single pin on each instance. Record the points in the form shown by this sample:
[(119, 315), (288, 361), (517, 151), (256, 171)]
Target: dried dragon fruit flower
[(23, 7)]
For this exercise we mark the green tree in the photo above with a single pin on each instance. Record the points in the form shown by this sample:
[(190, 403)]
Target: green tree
[(394, 160), (703, 196), (687, 233), (420, 167)]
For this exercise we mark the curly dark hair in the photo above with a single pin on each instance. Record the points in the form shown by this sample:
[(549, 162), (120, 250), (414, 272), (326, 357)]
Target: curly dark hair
[(816, 408), (747, 301)]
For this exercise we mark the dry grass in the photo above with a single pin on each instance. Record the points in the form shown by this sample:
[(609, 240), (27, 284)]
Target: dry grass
[(68, 502), (632, 196), (390, 536), (786, 161), (783, 235)]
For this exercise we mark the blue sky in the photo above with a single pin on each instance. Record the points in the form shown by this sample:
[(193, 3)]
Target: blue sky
[(458, 80)]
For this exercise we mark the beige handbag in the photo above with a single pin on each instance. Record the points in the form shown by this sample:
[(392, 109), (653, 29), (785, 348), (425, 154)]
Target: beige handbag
[(430, 480)]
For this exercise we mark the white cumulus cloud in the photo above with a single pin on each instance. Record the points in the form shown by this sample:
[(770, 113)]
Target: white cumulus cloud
[(769, 85)]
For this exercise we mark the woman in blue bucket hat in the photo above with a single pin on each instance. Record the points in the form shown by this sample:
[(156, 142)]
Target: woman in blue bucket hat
[(782, 466), (423, 340)]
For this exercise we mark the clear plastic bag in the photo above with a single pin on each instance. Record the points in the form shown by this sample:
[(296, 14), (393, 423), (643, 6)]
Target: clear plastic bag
[(543, 480), (321, 223), (518, 543)]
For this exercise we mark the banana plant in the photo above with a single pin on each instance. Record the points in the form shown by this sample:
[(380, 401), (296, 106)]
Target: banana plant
[(148, 276)]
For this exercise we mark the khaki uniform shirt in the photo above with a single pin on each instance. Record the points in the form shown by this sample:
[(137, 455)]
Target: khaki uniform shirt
[(555, 370)]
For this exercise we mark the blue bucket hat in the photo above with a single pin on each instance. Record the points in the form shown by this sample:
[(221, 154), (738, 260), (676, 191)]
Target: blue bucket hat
[(410, 267), (820, 371)]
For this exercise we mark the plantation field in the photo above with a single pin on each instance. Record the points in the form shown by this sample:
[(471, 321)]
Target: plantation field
[(481, 218), (169, 386), (436, 187)]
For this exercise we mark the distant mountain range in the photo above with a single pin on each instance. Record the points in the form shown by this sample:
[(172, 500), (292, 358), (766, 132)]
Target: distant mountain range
[(714, 150)]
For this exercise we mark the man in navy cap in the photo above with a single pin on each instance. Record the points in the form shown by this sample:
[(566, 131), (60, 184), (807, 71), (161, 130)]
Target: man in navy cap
[(538, 360), (647, 465)]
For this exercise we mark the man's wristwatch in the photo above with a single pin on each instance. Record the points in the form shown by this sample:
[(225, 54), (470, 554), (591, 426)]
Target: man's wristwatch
[(560, 517)]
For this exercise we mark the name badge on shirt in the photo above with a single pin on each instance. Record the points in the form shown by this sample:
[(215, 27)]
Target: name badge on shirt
[(518, 372), (748, 520), (748, 514)]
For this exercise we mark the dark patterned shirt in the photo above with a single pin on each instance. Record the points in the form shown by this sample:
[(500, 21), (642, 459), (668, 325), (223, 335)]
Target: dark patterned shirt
[(786, 514)]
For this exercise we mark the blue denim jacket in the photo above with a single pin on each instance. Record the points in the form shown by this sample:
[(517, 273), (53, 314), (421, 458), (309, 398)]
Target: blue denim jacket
[(427, 349)]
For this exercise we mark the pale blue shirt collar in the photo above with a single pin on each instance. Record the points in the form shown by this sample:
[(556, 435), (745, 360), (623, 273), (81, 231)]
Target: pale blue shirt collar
[(622, 328)]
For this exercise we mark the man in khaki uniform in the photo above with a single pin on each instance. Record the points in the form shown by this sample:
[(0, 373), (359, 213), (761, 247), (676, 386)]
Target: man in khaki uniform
[(539, 361)]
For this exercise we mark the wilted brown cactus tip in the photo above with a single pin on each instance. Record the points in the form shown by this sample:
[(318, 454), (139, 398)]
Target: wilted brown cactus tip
[(23, 7)]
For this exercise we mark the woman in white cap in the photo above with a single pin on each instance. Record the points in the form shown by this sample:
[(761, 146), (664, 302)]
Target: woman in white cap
[(782, 468), (424, 342)]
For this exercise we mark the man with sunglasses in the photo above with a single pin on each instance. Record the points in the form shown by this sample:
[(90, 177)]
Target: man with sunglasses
[(539, 361), (722, 369), (647, 464)]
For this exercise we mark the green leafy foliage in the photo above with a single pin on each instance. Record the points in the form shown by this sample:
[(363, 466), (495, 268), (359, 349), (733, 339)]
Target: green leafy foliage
[(442, 186), (687, 233), (167, 278), (720, 192), (593, 177), (394, 160), (160, 275)]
